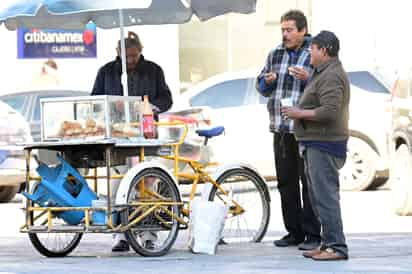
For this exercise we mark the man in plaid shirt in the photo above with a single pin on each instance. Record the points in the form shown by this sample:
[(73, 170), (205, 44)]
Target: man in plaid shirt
[(285, 75)]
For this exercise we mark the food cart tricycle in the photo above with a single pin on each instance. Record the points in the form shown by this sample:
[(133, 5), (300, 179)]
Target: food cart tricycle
[(101, 133)]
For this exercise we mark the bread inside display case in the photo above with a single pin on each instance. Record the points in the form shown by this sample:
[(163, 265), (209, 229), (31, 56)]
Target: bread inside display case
[(91, 117)]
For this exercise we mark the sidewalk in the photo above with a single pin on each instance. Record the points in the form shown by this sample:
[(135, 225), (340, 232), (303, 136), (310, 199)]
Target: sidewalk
[(379, 242), (369, 253)]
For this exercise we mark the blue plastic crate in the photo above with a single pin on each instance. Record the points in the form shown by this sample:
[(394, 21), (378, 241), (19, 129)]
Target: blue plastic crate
[(57, 190)]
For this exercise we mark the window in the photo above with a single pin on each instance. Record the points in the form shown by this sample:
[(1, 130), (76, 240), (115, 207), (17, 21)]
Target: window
[(231, 93), (16, 102), (410, 85), (36, 116), (402, 91), (366, 81), (263, 100)]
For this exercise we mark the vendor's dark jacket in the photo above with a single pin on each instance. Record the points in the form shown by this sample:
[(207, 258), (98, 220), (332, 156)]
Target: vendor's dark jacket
[(327, 93), (151, 81)]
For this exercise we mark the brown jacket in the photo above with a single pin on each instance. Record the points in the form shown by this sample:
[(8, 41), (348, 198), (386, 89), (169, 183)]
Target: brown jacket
[(328, 93)]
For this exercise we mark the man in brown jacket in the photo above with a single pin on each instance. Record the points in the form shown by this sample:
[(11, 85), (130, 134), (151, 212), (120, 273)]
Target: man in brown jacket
[(321, 127)]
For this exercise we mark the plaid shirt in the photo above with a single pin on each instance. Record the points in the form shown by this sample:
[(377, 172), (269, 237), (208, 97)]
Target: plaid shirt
[(279, 60)]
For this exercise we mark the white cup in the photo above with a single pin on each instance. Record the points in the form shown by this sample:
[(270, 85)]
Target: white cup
[(292, 71), (286, 102)]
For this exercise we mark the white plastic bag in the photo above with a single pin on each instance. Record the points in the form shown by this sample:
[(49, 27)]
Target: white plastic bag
[(207, 220)]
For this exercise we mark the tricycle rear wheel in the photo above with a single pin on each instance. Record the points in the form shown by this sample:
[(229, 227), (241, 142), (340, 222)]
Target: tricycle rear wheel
[(157, 232), (250, 191)]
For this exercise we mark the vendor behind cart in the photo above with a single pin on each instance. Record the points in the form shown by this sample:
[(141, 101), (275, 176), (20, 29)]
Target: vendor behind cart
[(143, 78)]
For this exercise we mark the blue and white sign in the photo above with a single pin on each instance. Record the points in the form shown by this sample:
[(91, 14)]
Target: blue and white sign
[(55, 43)]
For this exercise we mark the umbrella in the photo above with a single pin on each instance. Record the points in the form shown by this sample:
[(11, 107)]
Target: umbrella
[(106, 14), (74, 14)]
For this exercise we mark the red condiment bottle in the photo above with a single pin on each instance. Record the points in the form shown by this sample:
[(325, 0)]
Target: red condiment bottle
[(148, 120)]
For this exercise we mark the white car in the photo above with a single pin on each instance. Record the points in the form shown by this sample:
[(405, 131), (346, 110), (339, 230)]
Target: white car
[(13, 130), (401, 147), (238, 106)]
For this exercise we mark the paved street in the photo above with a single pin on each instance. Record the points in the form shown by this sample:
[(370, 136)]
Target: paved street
[(379, 242)]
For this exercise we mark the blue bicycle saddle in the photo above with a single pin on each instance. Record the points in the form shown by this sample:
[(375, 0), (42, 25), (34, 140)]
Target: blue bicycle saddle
[(216, 131)]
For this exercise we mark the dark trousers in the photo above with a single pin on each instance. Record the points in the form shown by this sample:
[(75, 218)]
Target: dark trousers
[(298, 216)]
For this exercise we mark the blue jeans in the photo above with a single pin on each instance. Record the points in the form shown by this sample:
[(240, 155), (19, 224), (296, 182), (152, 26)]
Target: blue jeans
[(322, 171)]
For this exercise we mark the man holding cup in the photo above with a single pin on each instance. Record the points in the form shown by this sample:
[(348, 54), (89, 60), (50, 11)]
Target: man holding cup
[(321, 127), (283, 80)]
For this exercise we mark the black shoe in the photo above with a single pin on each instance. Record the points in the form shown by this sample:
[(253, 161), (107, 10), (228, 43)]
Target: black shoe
[(222, 242), (309, 244), (288, 240), (149, 245), (121, 246)]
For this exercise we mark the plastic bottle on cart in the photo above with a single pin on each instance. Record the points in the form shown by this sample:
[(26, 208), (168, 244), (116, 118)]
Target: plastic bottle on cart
[(149, 131), (138, 106)]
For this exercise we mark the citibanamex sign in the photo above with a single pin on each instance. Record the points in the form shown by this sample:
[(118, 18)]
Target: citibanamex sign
[(54, 43)]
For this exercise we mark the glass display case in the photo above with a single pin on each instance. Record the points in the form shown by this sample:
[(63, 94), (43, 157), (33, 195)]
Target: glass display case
[(91, 117)]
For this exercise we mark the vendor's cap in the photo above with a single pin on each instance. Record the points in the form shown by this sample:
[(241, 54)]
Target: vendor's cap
[(132, 40), (329, 41)]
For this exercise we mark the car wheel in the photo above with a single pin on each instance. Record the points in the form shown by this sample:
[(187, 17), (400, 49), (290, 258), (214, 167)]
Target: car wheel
[(7, 193), (359, 170), (401, 176)]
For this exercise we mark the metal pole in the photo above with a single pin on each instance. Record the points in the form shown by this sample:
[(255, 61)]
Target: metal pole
[(123, 54), (124, 67), (109, 192), (29, 214)]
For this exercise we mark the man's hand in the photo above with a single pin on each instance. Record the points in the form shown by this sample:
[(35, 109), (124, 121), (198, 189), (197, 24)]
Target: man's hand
[(270, 78), (298, 113), (299, 73), (291, 112)]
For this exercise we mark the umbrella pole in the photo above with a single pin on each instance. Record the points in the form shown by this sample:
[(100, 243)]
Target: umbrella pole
[(123, 55), (124, 68)]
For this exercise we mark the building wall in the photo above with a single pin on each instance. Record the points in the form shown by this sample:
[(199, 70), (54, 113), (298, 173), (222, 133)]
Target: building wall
[(232, 42), (373, 34), (160, 45)]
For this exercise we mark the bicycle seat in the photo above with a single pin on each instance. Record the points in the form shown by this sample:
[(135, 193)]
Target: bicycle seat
[(209, 133)]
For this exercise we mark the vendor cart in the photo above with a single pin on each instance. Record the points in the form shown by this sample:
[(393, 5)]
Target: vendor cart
[(62, 201), (93, 133)]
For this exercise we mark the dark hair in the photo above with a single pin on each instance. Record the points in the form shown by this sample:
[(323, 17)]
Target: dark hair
[(329, 41), (51, 63), (132, 41), (297, 16)]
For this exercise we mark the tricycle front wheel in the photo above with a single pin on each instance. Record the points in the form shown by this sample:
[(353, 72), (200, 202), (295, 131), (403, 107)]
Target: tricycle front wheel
[(55, 244)]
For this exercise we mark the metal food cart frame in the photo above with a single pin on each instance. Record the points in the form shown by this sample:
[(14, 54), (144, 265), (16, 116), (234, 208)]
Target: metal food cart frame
[(222, 181)]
